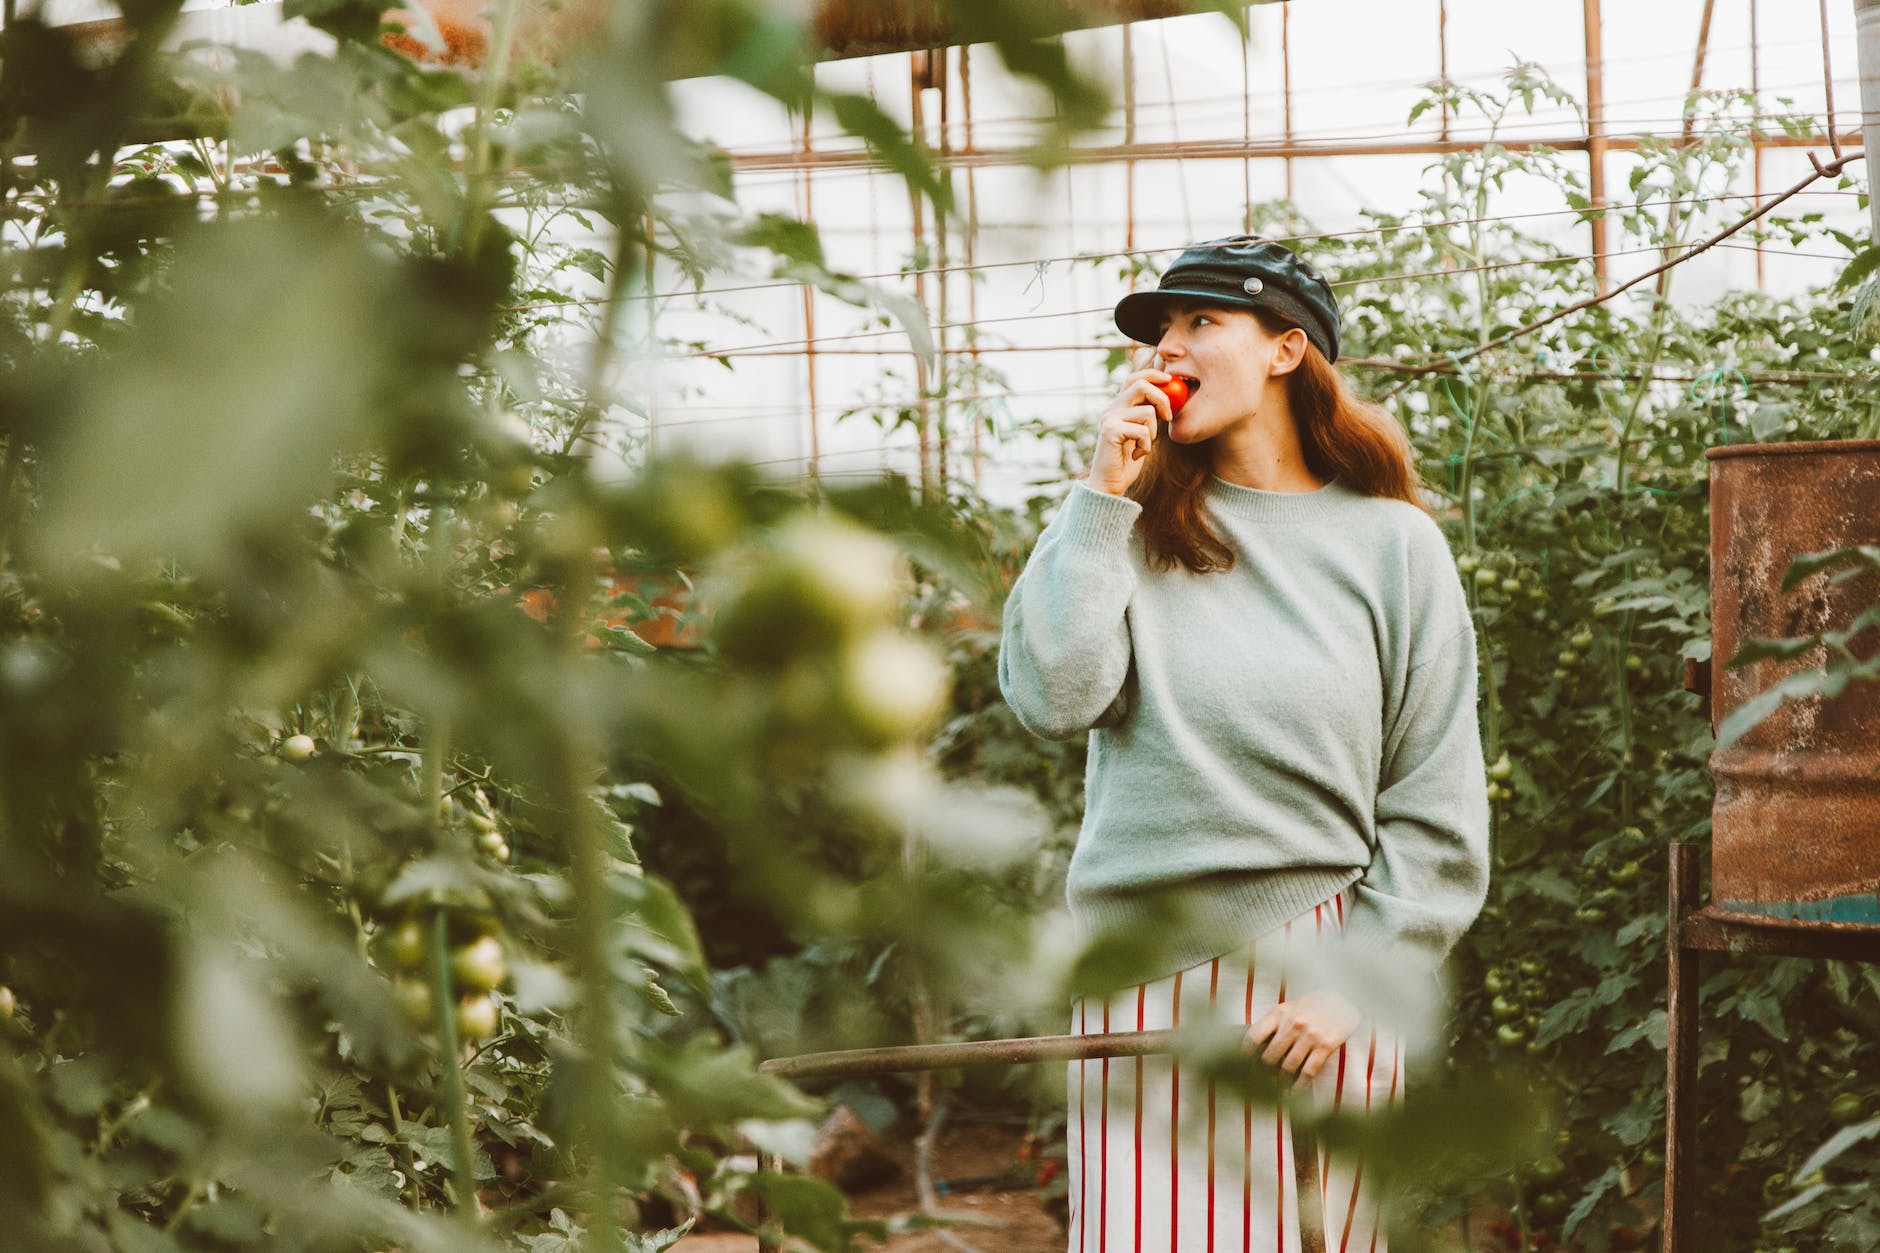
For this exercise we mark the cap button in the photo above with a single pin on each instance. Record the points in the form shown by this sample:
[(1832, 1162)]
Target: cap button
[(1253, 286)]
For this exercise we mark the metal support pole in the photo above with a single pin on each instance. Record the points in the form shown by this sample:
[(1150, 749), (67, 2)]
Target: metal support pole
[(766, 1162), (1285, 79), (1680, 1051), (809, 301), (1756, 152), (1595, 138), (1867, 22)]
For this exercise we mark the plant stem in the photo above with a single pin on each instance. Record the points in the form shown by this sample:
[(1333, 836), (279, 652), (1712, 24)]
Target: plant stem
[(591, 870), (463, 1178), (596, 390), (478, 176)]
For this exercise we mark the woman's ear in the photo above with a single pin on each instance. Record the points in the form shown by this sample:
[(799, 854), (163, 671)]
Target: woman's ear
[(1289, 352)]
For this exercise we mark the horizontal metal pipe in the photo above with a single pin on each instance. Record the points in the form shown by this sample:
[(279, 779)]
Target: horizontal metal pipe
[(1238, 149), (911, 1057)]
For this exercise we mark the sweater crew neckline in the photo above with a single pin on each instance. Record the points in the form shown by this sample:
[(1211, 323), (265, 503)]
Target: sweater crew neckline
[(1257, 504)]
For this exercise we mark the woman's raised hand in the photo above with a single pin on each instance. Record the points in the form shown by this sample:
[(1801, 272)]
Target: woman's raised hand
[(1127, 429)]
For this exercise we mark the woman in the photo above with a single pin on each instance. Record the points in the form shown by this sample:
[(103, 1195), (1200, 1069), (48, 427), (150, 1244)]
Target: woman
[(1262, 631)]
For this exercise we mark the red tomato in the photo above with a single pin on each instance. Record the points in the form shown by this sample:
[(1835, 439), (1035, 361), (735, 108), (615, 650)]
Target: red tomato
[(1176, 389)]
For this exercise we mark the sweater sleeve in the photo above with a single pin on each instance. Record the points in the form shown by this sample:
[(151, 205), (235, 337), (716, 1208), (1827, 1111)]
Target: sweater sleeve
[(1429, 874), (1064, 645)]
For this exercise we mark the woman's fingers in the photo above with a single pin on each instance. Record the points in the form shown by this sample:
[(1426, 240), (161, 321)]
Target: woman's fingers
[(1261, 1028), (1314, 1062)]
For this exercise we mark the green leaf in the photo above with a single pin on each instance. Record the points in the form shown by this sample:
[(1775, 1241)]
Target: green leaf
[(1757, 648), (1838, 1143), (860, 116), (1795, 1202), (1859, 268), (1804, 565), (343, 19), (1752, 711)]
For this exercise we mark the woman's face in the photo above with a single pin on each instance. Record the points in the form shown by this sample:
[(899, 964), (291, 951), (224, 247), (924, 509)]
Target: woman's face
[(1231, 357)]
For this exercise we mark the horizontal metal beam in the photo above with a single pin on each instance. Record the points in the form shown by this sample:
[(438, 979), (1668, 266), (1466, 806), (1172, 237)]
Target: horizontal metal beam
[(839, 29), (1235, 149), (865, 28), (912, 1057)]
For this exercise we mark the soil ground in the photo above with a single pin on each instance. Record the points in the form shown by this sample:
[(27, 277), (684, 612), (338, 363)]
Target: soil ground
[(1016, 1219)]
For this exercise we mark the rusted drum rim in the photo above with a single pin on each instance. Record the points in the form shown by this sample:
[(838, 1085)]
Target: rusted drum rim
[(1814, 446)]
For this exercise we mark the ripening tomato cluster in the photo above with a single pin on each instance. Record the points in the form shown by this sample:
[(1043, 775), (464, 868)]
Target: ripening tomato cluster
[(1607, 871), (479, 817), (1501, 581), (1517, 992), (1578, 645), (811, 616), (1499, 772), (475, 966)]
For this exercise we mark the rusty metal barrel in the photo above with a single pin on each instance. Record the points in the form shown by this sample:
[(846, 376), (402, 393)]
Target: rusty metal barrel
[(1795, 829)]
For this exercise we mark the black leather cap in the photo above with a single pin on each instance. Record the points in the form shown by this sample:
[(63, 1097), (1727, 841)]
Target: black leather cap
[(1240, 271)]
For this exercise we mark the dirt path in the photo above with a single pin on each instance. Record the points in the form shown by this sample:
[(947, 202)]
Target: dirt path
[(1017, 1220)]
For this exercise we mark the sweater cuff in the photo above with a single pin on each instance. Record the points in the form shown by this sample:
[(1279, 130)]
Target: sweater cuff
[(1096, 522)]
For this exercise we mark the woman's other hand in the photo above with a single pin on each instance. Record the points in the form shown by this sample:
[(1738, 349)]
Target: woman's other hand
[(1300, 1034), (1126, 431)]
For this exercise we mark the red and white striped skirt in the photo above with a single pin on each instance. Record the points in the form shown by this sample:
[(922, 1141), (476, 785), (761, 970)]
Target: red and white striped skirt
[(1158, 1164)]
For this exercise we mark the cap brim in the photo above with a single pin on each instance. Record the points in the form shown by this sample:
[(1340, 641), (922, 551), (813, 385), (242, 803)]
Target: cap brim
[(1139, 315)]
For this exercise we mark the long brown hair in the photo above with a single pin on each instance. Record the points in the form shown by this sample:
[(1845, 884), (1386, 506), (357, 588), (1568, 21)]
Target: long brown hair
[(1340, 435)]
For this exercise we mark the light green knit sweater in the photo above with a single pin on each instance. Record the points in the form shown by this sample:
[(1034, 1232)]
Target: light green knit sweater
[(1260, 737)]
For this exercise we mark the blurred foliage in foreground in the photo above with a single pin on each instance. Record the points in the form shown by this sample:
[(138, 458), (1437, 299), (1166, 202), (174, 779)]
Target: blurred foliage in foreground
[(332, 737)]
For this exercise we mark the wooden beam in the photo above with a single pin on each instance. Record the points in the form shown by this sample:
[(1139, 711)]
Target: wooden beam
[(839, 28)]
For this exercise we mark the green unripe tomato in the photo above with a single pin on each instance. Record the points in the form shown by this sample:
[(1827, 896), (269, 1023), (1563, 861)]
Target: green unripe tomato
[(414, 998), (1846, 1108), (296, 748), (477, 1017), (1532, 967), (1625, 872), (489, 841), (823, 581), (1566, 656), (1509, 1034), (1502, 767), (1775, 1187), (1550, 1206), (1511, 585), (1589, 914), (1582, 639), (405, 945), (1486, 577), (1634, 662), (1502, 1007), (479, 964), (1466, 564), (891, 685), (9, 1004), (1561, 672), (1494, 983)]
